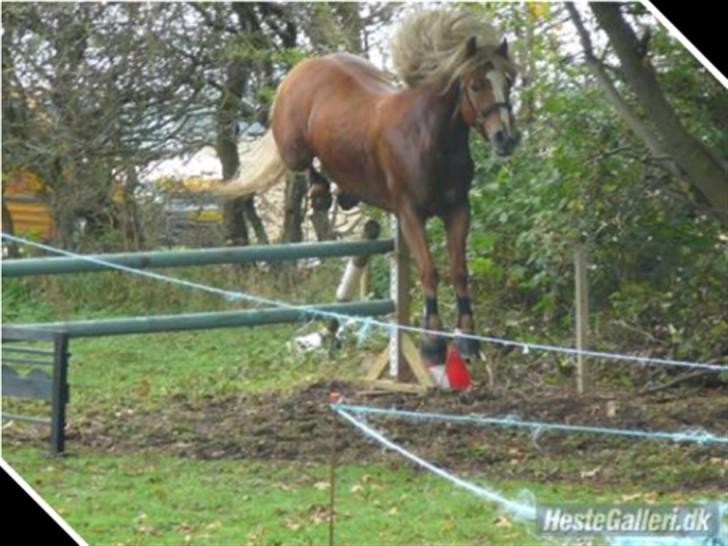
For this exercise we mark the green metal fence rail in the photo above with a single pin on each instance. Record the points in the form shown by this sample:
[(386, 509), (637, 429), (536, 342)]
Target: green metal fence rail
[(40, 385), (206, 256), (220, 319)]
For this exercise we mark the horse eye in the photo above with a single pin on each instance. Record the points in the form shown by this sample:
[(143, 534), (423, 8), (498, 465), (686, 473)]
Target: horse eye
[(476, 85)]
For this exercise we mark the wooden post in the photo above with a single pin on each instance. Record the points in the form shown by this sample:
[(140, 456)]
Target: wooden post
[(407, 371), (582, 313), (333, 398)]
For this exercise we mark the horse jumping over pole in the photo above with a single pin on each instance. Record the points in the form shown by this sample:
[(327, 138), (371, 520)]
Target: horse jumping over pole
[(402, 150)]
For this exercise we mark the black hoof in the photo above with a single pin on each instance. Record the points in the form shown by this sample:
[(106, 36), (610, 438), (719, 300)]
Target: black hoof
[(434, 350), (468, 348), (347, 201)]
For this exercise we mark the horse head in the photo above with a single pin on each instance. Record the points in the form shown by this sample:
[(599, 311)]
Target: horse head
[(485, 89)]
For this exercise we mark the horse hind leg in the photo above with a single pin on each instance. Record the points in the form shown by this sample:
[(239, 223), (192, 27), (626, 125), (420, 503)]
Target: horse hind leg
[(319, 190), (320, 193), (347, 201)]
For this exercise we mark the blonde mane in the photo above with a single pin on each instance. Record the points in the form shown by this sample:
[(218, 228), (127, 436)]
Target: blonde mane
[(430, 47)]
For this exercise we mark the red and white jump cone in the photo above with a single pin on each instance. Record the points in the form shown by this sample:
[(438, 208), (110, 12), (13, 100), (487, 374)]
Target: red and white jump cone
[(453, 374)]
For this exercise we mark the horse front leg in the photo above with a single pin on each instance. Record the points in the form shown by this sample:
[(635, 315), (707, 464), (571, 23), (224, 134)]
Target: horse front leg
[(434, 347), (457, 225)]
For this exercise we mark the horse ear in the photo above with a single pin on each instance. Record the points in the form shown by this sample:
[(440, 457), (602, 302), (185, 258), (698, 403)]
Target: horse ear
[(503, 49), (471, 47)]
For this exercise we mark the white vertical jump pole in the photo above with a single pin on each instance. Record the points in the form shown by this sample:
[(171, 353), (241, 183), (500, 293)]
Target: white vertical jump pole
[(399, 269)]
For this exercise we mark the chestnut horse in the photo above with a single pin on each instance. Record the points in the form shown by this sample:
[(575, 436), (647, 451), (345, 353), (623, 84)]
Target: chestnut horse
[(402, 150)]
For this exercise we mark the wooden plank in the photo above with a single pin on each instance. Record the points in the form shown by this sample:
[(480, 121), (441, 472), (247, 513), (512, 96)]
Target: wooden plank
[(377, 368), (412, 361), (416, 364), (396, 386)]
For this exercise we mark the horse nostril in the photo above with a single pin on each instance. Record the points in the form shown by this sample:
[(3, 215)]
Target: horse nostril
[(500, 137)]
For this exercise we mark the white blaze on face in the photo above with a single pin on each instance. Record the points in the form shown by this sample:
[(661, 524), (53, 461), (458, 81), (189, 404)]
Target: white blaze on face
[(499, 85)]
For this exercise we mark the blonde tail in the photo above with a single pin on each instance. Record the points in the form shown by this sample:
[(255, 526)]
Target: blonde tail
[(260, 169)]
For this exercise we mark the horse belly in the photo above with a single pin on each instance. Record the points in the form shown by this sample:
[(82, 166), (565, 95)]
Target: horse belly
[(339, 140)]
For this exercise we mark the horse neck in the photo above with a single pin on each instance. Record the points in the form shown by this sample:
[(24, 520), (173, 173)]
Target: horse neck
[(443, 117)]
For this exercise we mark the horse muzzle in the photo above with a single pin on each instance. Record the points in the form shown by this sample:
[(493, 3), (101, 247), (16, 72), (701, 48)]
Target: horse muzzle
[(504, 143)]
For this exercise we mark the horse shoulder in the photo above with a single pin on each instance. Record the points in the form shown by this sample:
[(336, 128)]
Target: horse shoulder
[(424, 156)]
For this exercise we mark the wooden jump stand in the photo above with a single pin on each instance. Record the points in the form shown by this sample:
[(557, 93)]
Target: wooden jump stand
[(400, 367)]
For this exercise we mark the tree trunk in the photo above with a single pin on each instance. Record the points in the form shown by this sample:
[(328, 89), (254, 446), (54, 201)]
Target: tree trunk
[(251, 215), (699, 164), (322, 225), (233, 212), (294, 212), (641, 129), (236, 230), (134, 228), (63, 213), (237, 211), (8, 228), (129, 214)]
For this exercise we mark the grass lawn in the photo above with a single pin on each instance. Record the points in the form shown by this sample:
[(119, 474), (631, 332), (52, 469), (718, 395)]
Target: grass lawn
[(143, 495), (156, 499)]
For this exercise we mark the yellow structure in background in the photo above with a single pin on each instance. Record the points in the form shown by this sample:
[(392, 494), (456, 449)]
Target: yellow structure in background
[(188, 203), (204, 201), (28, 210)]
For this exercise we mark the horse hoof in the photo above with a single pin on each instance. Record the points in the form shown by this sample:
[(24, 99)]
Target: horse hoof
[(468, 348), (434, 350), (321, 198)]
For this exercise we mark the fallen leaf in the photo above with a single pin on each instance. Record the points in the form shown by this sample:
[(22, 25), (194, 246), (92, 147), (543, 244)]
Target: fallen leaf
[(590, 473), (293, 525), (318, 513), (143, 388), (652, 496), (502, 522), (630, 497)]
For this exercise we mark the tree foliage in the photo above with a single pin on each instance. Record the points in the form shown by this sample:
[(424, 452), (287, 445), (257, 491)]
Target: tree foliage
[(93, 92), (658, 258)]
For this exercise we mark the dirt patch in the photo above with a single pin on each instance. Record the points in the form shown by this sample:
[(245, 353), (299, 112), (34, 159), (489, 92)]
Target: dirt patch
[(299, 426)]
